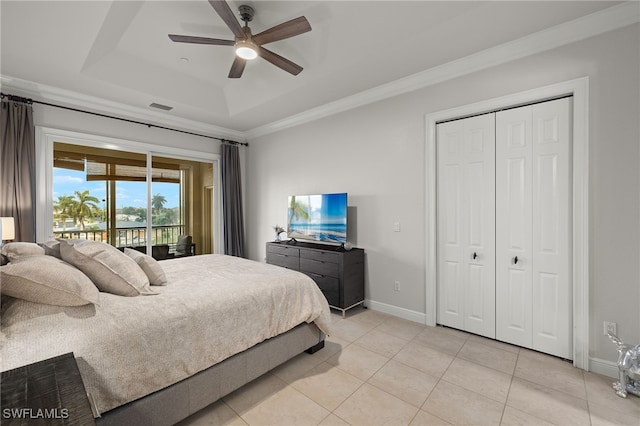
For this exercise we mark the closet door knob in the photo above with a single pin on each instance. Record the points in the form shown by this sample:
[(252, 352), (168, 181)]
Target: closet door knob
[(475, 255), (515, 260)]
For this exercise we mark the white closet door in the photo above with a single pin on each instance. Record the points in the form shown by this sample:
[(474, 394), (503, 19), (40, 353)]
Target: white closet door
[(451, 159), (513, 232), (552, 307), (466, 224), (533, 281)]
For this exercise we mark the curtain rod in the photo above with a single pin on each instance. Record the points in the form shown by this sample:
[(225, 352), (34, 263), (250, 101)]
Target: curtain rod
[(29, 101)]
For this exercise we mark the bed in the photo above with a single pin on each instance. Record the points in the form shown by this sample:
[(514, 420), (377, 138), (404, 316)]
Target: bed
[(220, 322)]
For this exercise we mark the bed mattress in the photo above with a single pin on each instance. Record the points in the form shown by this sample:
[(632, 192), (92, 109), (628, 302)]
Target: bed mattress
[(213, 307)]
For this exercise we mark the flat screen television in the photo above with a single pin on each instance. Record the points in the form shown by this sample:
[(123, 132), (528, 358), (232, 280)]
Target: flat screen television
[(321, 217)]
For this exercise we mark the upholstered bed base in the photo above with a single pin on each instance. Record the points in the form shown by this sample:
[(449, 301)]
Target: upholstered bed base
[(176, 402)]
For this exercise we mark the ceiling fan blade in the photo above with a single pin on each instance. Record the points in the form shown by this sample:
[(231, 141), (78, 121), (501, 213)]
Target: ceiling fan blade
[(237, 67), (200, 40), (227, 15), (285, 30), (279, 61)]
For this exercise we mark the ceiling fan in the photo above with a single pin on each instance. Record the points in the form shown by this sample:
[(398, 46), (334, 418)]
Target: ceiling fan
[(249, 46)]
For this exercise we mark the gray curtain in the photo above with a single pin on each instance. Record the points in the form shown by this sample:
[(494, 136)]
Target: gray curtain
[(232, 201), (17, 168)]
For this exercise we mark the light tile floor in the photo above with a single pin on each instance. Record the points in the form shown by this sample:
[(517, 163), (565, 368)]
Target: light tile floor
[(377, 369)]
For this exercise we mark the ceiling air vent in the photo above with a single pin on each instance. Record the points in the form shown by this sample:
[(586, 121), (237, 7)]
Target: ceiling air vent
[(160, 106)]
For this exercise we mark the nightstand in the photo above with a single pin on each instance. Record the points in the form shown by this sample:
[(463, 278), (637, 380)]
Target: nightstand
[(49, 392)]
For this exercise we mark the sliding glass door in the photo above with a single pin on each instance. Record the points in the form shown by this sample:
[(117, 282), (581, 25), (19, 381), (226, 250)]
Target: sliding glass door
[(182, 213), (161, 205)]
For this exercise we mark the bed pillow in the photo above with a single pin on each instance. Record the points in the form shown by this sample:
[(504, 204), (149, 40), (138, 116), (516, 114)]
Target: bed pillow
[(16, 250), (45, 279), (51, 248), (149, 265), (110, 270)]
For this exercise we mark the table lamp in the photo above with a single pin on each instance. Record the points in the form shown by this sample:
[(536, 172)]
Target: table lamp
[(7, 229)]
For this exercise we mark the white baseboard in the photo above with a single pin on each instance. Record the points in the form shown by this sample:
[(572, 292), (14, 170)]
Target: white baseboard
[(403, 313), (596, 365), (604, 367)]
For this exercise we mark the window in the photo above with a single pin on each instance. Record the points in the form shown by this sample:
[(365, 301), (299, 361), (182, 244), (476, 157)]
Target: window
[(99, 193)]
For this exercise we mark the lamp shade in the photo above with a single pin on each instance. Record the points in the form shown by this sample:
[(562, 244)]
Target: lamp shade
[(7, 228)]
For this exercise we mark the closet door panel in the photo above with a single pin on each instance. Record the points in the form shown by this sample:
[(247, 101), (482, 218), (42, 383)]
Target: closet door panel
[(466, 224), (474, 292), (548, 295), (552, 313), (514, 226), (479, 252), (475, 300), (451, 295), (451, 274), (515, 316)]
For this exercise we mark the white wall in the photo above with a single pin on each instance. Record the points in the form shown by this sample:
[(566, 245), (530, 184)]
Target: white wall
[(63, 119), (376, 154)]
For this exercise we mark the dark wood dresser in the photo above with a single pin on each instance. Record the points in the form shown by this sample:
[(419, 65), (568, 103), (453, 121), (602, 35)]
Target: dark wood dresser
[(339, 273)]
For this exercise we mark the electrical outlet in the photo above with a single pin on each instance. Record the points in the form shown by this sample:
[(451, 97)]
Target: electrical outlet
[(609, 327), (396, 286)]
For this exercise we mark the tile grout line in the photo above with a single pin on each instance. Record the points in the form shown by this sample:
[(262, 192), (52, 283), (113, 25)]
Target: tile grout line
[(504, 408), (591, 398), (389, 359)]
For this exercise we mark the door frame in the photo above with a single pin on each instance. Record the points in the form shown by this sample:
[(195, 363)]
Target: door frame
[(579, 89), (208, 195)]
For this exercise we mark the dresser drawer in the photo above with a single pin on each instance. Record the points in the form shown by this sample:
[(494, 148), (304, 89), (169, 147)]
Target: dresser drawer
[(290, 261), (283, 249), (330, 287), (320, 255), (319, 267)]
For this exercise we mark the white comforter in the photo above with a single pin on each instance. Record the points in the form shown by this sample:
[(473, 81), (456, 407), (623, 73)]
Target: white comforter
[(213, 307)]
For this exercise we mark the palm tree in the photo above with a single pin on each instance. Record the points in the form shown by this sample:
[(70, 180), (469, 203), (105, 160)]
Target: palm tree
[(64, 208), (166, 218), (297, 210), (157, 202), (85, 205)]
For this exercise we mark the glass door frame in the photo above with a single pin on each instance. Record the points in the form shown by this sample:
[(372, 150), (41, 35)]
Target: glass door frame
[(45, 139)]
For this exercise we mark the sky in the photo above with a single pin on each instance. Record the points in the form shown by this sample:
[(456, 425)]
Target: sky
[(128, 194)]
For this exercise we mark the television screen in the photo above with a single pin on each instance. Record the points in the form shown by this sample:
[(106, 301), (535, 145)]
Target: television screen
[(318, 217)]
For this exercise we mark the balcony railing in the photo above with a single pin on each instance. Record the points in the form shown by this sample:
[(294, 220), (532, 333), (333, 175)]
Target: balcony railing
[(127, 237)]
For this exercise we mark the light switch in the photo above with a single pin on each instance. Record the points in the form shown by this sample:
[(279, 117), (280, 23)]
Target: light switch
[(396, 226)]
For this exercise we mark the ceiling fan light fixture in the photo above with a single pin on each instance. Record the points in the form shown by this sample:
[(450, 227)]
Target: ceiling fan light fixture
[(247, 46), (246, 50)]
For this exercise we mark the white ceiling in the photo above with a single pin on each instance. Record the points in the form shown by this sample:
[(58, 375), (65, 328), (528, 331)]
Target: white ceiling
[(118, 51)]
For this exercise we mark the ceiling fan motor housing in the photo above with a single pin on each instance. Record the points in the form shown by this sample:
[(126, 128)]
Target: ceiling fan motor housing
[(246, 13)]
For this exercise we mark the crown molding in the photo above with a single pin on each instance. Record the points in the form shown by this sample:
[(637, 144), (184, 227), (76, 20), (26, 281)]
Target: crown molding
[(51, 94), (606, 20)]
